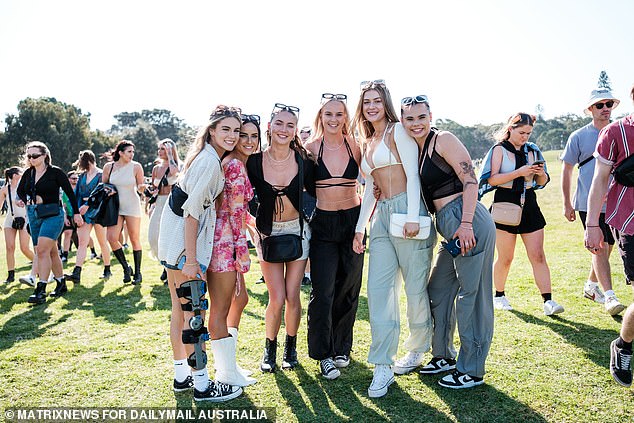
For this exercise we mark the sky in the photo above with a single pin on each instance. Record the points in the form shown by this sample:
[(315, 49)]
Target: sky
[(478, 61)]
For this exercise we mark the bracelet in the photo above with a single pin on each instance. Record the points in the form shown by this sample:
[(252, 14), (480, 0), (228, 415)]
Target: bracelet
[(466, 227), (190, 264), (468, 213), (464, 221), (592, 226)]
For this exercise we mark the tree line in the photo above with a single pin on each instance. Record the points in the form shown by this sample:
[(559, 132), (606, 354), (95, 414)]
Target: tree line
[(65, 128)]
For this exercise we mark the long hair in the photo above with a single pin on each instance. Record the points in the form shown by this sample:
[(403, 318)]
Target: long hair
[(361, 124), (204, 137), (169, 143), (84, 159), (515, 121), (12, 171), (115, 153), (319, 125), (296, 142), (48, 160)]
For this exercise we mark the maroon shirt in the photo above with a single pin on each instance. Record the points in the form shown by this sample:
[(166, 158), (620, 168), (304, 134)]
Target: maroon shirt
[(616, 143)]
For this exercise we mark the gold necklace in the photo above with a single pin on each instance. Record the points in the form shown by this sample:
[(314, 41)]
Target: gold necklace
[(278, 162)]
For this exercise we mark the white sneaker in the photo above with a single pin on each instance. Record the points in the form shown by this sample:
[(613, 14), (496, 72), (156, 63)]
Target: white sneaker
[(27, 280), (501, 303), (551, 307), (613, 306), (383, 377), (593, 292), (408, 363)]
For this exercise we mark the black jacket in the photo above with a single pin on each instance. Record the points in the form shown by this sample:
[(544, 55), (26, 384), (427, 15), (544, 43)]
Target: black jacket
[(103, 208)]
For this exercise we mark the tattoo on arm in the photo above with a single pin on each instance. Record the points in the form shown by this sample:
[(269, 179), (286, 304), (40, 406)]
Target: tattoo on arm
[(467, 170)]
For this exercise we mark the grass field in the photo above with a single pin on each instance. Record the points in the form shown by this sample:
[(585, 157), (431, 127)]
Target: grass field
[(106, 344)]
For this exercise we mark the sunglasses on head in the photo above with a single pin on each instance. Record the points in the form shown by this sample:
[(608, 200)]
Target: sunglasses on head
[(226, 111), (367, 84), (326, 97), (34, 156), (607, 104), (523, 118), (408, 101), (280, 107), (251, 118)]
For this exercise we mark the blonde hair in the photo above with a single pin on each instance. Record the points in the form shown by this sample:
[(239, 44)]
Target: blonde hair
[(296, 142), (48, 160), (361, 124), (514, 121), (169, 143), (319, 125)]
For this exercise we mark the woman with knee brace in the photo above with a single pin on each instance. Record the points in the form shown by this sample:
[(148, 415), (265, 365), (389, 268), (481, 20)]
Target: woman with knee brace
[(389, 164), (460, 282), (186, 245), (230, 260), (337, 269), (279, 174)]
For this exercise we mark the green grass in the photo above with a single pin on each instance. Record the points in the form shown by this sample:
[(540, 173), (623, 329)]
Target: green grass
[(106, 344)]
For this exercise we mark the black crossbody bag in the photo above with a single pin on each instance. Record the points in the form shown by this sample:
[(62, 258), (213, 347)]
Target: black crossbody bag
[(18, 222), (287, 247), (42, 211)]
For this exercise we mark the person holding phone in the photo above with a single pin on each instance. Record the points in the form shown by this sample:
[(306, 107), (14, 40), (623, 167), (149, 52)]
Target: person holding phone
[(515, 168), (459, 286)]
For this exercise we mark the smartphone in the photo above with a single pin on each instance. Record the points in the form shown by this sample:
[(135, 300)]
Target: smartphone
[(538, 162), (453, 247)]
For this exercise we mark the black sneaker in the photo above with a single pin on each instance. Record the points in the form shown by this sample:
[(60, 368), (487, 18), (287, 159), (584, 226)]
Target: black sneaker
[(217, 392), (328, 369), (261, 280), (305, 281), (458, 380), (107, 274), (185, 385), (620, 364), (438, 365)]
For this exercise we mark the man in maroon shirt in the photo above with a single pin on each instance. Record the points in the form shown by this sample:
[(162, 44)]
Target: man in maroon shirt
[(616, 143)]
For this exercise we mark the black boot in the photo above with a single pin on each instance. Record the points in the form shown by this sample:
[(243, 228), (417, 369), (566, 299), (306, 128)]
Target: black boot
[(60, 288), (106, 273), (289, 361), (138, 256), (127, 270), (10, 276), (39, 295), (75, 276), (270, 355)]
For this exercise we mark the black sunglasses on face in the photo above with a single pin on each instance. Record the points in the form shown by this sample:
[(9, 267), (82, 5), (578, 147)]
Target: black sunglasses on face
[(34, 156), (280, 107), (607, 104), (406, 101), (326, 97), (251, 118)]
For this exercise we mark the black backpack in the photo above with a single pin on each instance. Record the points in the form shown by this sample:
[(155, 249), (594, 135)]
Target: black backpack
[(624, 172)]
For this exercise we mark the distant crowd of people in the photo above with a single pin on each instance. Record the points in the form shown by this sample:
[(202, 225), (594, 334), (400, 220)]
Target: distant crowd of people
[(298, 199)]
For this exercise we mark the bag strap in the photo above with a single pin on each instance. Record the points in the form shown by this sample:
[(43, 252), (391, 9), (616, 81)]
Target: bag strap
[(523, 196), (32, 180), (10, 201), (301, 195), (422, 159), (584, 161)]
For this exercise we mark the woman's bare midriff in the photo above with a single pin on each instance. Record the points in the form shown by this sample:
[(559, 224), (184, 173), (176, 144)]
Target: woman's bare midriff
[(337, 198), (442, 202)]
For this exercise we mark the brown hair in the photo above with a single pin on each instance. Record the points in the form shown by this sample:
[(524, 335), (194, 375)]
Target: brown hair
[(360, 123), (296, 142), (84, 159), (515, 121), (114, 154)]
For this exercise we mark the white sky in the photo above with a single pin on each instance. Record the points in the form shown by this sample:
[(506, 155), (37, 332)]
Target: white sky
[(478, 61)]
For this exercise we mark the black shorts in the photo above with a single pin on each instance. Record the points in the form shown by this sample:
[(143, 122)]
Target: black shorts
[(607, 233), (532, 217)]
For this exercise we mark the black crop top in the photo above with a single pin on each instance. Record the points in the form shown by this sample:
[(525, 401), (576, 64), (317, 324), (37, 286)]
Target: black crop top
[(437, 177), (268, 194), (322, 172), (46, 187)]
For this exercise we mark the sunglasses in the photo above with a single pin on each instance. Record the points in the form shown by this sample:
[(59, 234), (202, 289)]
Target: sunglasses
[(280, 107), (326, 97), (523, 118), (34, 156), (607, 104), (251, 118), (367, 84), (226, 111), (306, 131), (408, 101)]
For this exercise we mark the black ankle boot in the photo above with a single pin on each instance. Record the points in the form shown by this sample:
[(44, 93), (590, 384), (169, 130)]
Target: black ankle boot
[(60, 288), (289, 361), (138, 256), (10, 276), (164, 275), (75, 276), (39, 295), (106, 273), (127, 270), (270, 355)]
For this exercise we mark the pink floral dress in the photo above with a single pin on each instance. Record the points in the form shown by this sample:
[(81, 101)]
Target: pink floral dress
[(231, 252)]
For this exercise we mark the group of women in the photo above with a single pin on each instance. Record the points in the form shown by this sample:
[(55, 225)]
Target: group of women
[(412, 171)]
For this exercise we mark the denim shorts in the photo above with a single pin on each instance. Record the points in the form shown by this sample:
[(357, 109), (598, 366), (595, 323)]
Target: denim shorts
[(49, 227)]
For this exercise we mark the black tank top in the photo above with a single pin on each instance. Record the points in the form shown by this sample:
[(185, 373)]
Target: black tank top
[(322, 172), (437, 177)]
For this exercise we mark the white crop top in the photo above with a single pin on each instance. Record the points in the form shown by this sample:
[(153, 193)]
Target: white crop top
[(408, 151)]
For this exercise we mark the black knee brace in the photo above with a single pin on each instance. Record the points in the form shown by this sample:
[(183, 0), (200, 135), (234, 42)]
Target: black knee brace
[(194, 291)]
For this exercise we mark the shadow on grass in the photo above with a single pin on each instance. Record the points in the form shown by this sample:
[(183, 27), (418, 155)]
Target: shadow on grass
[(32, 323), (592, 340), (483, 403)]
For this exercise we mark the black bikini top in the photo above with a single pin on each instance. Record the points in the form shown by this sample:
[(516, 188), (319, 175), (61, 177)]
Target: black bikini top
[(322, 173), (437, 177)]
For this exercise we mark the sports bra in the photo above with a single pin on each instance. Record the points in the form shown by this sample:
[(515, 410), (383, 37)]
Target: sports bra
[(322, 172), (436, 175), (382, 157)]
